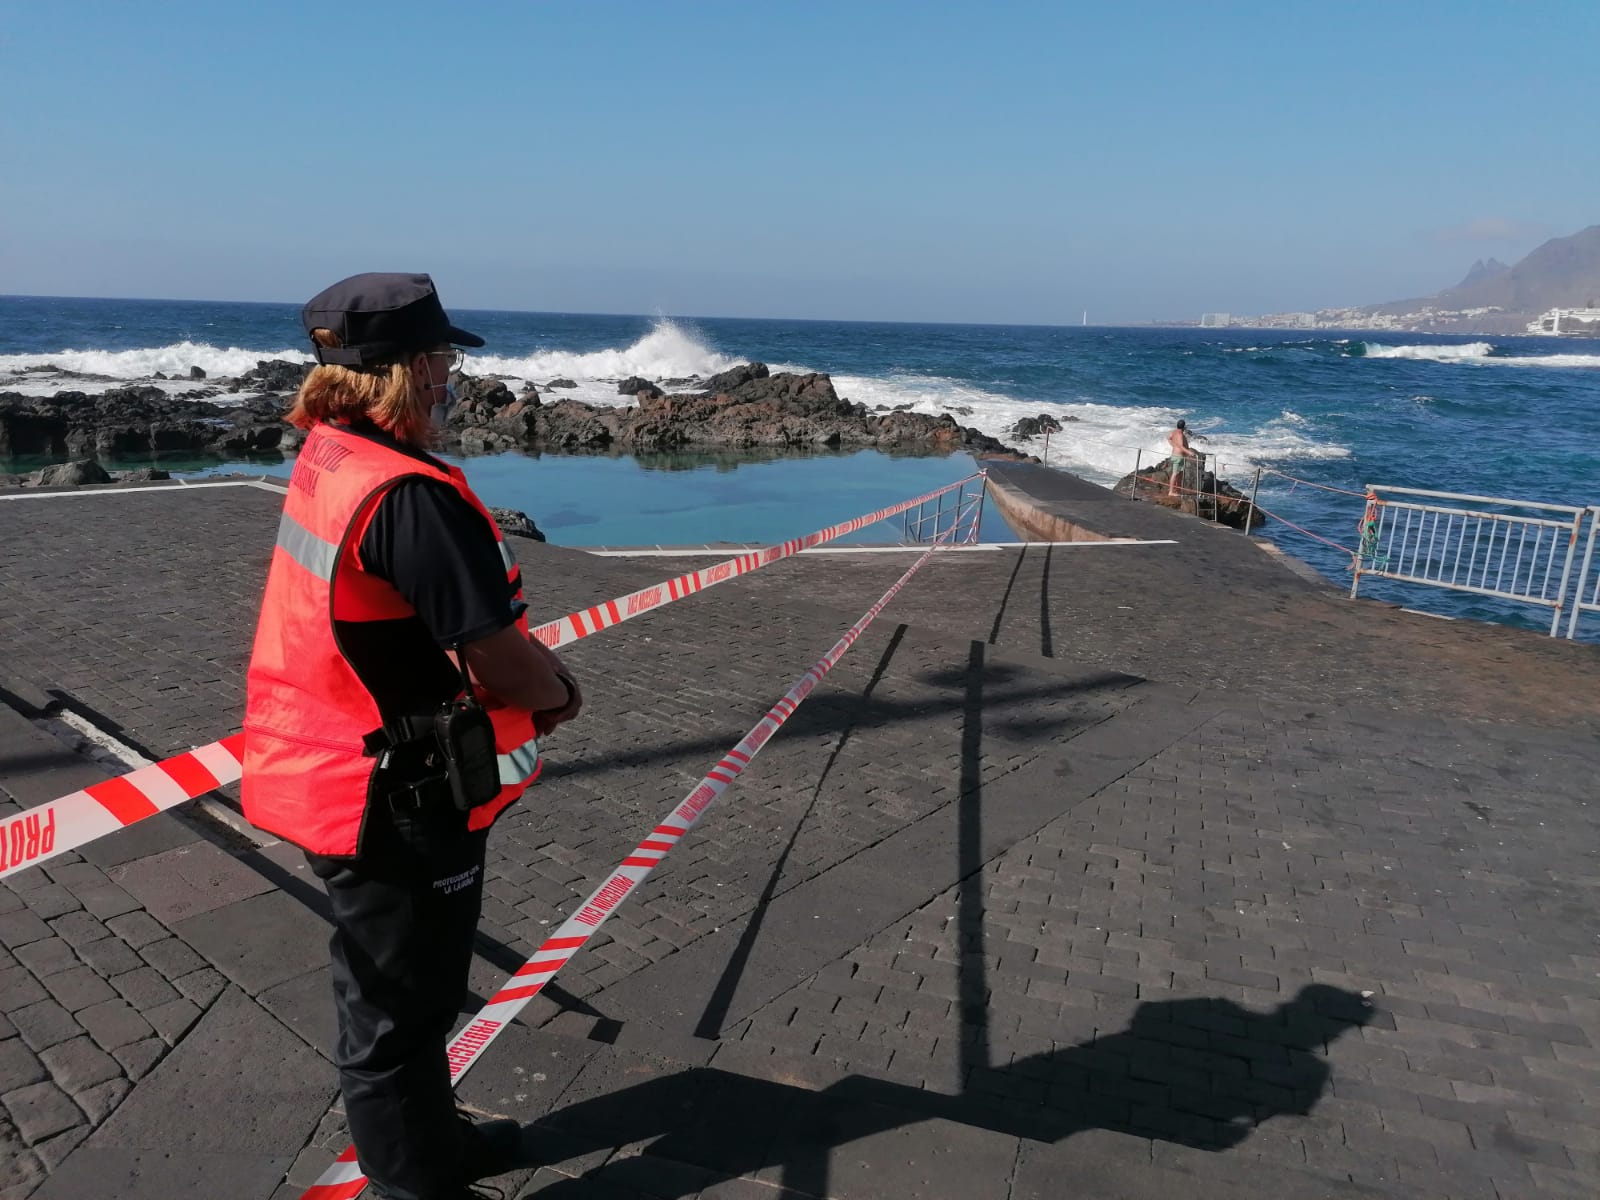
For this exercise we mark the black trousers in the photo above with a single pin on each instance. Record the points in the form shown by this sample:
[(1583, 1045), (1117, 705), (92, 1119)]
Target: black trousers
[(404, 912)]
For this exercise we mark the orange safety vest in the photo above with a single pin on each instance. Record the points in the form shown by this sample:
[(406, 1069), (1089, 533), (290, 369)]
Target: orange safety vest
[(307, 773)]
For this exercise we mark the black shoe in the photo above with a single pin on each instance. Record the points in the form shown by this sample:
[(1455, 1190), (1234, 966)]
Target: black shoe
[(490, 1147)]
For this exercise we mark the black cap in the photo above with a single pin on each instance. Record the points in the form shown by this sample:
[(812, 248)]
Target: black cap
[(1180, 423), (380, 317)]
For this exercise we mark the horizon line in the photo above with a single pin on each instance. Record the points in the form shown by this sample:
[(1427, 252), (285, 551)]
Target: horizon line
[(551, 312)]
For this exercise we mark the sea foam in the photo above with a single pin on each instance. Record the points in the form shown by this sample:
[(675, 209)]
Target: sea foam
[(175, 359), (1471, 350), (1480, 354), (668, 351)]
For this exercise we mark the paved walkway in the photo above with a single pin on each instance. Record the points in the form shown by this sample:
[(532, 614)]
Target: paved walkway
[(1089, 872)]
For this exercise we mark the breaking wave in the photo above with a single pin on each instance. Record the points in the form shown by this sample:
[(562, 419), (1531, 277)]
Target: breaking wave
[(1478, 354), (175, 359), (1471, 350), (668, 351)]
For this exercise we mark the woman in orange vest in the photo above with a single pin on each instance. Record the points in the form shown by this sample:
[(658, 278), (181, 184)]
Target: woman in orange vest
[(394, 701)]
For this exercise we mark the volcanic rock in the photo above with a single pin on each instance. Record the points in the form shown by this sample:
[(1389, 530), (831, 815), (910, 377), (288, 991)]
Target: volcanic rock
[(634, 386), (70, 474), (737, 377), (742, 409), (1228, 505), (131, 421), (272, 375), (513, 520), (1034, 426)]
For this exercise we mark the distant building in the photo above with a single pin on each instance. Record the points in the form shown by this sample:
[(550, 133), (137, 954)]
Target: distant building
[(1215, 320), (1567, 322)]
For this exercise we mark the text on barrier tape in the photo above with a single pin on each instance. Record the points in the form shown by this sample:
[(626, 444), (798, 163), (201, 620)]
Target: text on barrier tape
[(74, 820), (80, 817), (343, 1180)]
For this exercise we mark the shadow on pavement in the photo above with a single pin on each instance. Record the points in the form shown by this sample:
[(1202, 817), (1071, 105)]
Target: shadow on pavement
[(1198, 1072)]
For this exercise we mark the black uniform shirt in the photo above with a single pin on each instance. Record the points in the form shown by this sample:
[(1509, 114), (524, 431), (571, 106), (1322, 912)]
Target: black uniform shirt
[(442, 557)]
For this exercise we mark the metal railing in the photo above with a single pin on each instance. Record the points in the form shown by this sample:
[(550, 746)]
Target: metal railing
[(1192, 476), (1586, 583), (1512, 556), (962, 508)]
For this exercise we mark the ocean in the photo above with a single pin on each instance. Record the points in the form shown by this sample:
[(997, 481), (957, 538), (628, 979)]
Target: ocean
[(1500, 416)]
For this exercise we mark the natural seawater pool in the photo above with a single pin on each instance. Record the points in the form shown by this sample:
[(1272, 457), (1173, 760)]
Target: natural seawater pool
[(687, 498)]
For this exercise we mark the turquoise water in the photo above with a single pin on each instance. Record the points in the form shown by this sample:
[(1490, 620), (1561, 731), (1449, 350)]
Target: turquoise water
[(683, 499)]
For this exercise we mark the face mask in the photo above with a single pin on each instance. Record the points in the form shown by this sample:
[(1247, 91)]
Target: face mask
[(441, 410)]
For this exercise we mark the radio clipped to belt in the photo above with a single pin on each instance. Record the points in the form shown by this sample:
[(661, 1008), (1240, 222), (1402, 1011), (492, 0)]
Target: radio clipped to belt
[(457, 737), (466, 739)]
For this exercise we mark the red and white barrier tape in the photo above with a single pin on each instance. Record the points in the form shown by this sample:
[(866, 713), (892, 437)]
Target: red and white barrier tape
[(344, 1180), (74, 820)]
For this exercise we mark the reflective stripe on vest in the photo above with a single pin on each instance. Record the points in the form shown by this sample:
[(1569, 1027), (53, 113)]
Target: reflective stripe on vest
[(306, 548), (520, 765)]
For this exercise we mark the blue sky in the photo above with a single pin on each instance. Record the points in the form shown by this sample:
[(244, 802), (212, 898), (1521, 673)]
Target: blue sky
[(905, 161)]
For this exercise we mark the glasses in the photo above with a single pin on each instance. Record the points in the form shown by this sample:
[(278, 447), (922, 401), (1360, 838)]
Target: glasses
[(456, 357)]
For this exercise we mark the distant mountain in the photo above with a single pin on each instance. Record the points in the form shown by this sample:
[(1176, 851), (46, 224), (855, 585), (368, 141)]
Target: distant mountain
[(1562, 273), (1483, 270)]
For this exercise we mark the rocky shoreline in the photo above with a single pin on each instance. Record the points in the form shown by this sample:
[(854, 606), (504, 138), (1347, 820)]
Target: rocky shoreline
[(1213, 499), (746, 408)]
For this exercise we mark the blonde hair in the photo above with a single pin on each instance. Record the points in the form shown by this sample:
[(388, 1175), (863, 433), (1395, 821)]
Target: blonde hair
[(386, 394)]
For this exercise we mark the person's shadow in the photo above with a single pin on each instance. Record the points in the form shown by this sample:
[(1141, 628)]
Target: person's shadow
[(1201, 1072)]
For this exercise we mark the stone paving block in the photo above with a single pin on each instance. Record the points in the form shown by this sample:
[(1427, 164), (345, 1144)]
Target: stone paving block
[(305, 1005), (44, 1024), (188, 881), (78, 988), (172, 1019), (51, 900), (865, 1150), (79, 928), (138, 928), (41, 1110), (137, 1058), (113, 1023), (144, 988), (260, 941), (53, 1150), (202, 986), (152, 836), (98, 1102), (18, 988), (651, 1175), (19, 1066), (239, 1083), (20, 927), (172, 957), (20, 1170), (48, 956), (119, 1173), (79, 1064), (110, 956)]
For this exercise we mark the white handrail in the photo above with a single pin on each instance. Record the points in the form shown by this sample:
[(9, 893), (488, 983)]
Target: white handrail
[(1579, 604), (1468, 550), (1403, 491)]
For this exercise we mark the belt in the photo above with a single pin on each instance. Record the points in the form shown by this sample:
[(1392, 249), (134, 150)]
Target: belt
[(397, 732)]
